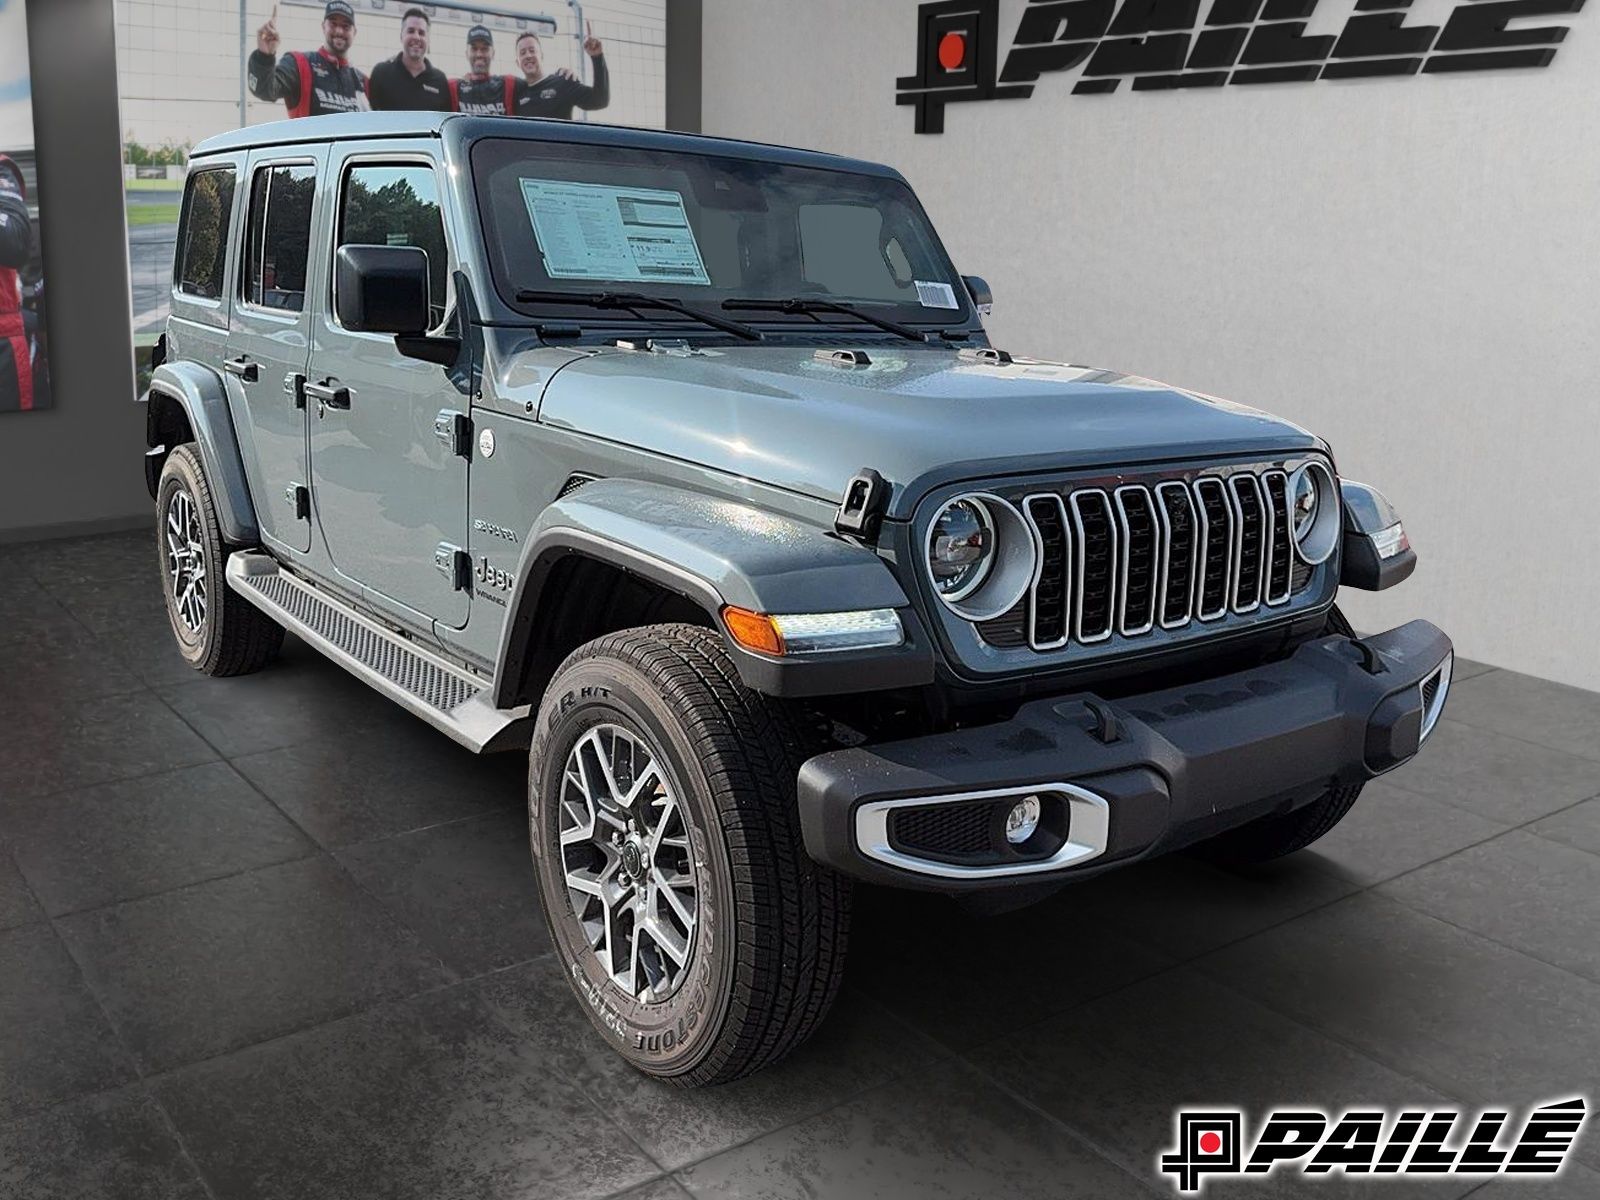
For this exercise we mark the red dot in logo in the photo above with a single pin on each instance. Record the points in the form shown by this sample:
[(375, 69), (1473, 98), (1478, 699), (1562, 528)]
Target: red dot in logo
[(952, 51), (1210, 1143)]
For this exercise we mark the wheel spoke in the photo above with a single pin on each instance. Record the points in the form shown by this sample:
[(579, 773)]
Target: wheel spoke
[(668, 891)]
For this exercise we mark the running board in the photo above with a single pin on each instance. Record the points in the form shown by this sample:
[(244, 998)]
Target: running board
[(450, 699)]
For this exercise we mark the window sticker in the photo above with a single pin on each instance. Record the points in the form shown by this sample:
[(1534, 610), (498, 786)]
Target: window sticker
[(936, 295), (591, 231)]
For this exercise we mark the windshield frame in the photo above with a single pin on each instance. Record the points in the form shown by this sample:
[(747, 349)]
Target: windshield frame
[(491, 153)]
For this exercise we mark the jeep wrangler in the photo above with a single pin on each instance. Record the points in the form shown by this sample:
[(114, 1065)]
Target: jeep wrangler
[(686, 467)]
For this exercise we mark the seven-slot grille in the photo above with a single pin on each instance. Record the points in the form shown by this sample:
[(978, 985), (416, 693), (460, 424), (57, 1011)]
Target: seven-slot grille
[(1129, 560)]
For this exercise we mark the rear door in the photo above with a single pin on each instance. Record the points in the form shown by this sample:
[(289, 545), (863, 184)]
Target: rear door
[(390, 492), (270, 339)]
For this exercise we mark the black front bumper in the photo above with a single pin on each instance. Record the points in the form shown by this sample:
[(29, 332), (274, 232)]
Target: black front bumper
[(1154, 772)]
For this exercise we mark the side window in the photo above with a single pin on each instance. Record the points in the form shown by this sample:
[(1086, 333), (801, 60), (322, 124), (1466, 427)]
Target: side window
[(279, 241), (398, 205), (203, 244)]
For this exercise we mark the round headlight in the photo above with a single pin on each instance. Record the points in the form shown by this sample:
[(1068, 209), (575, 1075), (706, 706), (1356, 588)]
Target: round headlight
[(961, 548), (1314, 513)]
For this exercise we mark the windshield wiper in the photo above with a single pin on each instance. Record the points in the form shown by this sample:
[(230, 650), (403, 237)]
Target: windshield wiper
[(639, 300), (811, 304)]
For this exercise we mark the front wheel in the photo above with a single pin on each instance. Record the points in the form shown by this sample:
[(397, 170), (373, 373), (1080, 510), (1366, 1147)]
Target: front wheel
[(701, 939)]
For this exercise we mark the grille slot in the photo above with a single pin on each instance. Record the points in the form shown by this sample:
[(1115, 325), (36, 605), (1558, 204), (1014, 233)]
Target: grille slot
[(1136, 517), (944, 829), (1280, 548), (1249, 541), (1180, 536), (1048, 608), (1216, 548), (1097, 565)]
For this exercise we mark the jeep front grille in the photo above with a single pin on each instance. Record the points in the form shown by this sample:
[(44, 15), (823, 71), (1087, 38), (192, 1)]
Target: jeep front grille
[(1162, 554)]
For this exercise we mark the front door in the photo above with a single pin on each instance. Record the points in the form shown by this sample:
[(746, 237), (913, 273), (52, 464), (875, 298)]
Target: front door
[(270, 341), (389, 491)]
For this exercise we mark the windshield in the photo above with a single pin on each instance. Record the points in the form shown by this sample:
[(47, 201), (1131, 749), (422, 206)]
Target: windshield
[(709, 232)]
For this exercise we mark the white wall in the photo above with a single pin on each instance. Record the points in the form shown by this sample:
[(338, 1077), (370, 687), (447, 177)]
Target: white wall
[(1409, 267)]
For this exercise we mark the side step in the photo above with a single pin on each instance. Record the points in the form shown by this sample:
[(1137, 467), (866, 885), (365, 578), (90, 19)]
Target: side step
[(450, 699)]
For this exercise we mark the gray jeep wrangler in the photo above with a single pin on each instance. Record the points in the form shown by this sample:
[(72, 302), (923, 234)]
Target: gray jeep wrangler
[(686, 467)]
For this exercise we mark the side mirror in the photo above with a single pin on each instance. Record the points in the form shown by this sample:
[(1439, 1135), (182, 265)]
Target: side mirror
[(978, 289), (382, 289)]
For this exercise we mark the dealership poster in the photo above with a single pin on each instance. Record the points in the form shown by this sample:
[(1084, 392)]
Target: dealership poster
[(24, 363), (247, 62)]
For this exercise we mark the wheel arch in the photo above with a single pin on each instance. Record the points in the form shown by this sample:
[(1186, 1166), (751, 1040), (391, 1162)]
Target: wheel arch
[(695, 554), (190, 399)]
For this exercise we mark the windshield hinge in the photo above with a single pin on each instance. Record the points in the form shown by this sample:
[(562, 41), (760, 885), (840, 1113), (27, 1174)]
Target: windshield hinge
[(454, 429), (559, 329), (844, 358)]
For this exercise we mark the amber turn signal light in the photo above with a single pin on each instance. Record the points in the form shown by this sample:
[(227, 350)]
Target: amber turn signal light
[(752, 630)]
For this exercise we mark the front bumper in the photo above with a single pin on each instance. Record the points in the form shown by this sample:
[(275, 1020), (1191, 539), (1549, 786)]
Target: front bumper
[(1133, 778)]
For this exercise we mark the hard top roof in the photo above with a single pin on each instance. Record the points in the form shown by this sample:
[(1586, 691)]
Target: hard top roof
[(372, 125)]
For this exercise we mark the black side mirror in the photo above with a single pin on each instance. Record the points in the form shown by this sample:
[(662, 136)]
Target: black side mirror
[(382, 289), (980, 293)]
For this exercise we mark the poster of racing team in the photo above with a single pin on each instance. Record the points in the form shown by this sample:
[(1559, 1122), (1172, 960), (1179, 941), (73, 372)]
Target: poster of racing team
[(24, 369), (245, 62)]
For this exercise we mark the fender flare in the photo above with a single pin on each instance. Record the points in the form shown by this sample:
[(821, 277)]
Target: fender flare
[(717, 552), (203, 396)]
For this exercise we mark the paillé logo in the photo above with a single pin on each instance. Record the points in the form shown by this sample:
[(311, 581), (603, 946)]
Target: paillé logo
[(1161, 44), (1210, 1143)]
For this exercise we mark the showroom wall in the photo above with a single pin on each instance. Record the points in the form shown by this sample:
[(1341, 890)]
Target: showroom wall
[(77, 467), (1405, 265)]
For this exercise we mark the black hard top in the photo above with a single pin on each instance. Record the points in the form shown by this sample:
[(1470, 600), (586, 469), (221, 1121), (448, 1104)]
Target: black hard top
[(344, 127)]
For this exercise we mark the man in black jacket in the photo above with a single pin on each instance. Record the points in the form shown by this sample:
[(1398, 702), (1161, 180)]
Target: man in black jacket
[(409, 81), (556, 95), (321, 81), (481, 92), (16, 244)]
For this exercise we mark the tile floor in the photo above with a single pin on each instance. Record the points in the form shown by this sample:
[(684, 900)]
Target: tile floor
[(271, 937)]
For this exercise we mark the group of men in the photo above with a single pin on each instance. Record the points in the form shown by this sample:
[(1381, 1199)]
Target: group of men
[(323, 81), (23, 378)]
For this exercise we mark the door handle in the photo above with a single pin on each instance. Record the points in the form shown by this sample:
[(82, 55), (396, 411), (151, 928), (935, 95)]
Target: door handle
[(243, 368), (328, 395)]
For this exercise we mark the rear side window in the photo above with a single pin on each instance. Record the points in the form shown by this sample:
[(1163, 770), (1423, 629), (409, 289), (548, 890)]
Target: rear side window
[(207, 215), (278, 245), (398, 206)]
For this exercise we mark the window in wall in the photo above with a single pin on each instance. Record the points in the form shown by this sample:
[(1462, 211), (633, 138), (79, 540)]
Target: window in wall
[(279, 241), (398, 205), (207, 213)]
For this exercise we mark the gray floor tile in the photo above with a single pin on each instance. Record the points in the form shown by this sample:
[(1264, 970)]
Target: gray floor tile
[(1502, 778), (467, 889), (858, 1047), (59, 665), (1578, 826), (956, 975), (1187, 907), (386, 781), (59, 746), (1478, 1021), (1118, 1069), (1536, 710), (297, 698), (114, 1145), (197, 972), (27, 611), (656, 1189), (1466, 668), (93, 562), (85, 848), (1390, 831), (17, 903), (943, 1134), (432, 1099), (1521, 890), (54, 1040)]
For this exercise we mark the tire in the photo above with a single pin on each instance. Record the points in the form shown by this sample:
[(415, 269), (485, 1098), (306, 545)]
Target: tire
[(218, 632), (1275, 836), (762, 961)]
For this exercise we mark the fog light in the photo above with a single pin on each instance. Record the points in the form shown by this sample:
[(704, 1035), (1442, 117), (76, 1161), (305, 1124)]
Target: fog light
[(1022, 820)]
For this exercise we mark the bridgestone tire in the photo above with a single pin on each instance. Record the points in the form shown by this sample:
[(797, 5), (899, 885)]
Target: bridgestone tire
[(1273, 837), (235, 637), (768, 947)]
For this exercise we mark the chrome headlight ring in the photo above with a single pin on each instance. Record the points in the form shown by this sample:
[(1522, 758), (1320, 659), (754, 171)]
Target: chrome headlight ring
[(1011, 561), (1316, 522)]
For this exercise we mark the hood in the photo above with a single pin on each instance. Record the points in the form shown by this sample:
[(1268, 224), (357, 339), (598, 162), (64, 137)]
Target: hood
[(919, 416)]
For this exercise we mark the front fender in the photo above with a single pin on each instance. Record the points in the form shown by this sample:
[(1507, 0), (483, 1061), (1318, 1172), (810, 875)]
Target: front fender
[(715, 553), (204, 399)]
